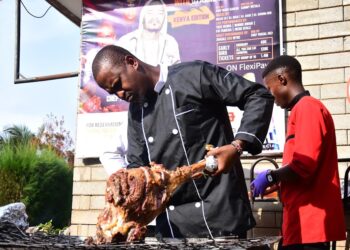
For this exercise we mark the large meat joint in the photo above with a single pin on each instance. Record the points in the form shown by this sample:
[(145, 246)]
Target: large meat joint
[(134, 197)]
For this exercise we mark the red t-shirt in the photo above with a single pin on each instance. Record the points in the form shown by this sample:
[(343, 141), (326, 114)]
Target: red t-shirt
[(312, 207)]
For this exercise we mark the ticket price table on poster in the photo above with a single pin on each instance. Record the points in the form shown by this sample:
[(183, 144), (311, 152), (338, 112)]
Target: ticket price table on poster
[(245, 50)]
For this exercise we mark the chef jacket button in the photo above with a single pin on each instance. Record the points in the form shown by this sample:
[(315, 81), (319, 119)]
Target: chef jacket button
[(167, 91), (150, 139), (171, 207), (145, 105), (175, 131), (197, 204)]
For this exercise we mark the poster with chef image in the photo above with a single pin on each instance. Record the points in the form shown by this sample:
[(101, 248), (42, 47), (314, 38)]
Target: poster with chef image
[(238, 35)]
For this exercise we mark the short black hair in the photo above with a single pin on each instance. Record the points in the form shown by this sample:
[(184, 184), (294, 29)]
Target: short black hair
[(110, 54), (290, 63)]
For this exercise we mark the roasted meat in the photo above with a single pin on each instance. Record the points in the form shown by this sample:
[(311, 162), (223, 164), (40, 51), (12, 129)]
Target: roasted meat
[(134, 197)]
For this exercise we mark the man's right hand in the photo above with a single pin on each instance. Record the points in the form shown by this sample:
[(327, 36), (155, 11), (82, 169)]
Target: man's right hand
[(226, 156)]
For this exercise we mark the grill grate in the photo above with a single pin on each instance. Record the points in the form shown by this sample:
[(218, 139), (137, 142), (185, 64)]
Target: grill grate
[(11, 237)]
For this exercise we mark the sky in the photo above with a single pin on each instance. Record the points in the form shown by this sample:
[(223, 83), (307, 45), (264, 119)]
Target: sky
[(49, 45)]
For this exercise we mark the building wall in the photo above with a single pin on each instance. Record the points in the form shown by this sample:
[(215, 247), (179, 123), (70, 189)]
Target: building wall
[(317, 32)]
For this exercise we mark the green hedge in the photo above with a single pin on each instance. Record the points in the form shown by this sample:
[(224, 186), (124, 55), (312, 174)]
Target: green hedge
[(40, 179), (16, 162)]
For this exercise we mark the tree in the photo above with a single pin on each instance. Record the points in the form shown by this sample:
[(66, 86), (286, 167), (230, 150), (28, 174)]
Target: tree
[(16, 134), (53, 135)]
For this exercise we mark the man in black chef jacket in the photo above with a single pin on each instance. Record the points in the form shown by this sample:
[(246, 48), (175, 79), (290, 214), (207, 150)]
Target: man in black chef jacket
[(174, 112)]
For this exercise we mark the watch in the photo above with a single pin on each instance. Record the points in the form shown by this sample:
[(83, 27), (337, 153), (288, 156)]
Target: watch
[(271, 177)]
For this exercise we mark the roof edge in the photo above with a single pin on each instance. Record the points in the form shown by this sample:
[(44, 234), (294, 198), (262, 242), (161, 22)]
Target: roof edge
[(65, 11)]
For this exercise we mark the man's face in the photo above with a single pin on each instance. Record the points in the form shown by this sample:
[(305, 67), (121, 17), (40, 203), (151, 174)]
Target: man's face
[(106, 35), (274, 82), (124, 80), (154, 17)]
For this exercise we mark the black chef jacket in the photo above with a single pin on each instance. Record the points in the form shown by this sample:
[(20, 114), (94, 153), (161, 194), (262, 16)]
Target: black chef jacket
[(172, 128)]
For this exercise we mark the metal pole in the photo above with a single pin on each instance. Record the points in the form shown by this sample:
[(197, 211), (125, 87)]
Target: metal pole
[(47, 78), (18, 39)]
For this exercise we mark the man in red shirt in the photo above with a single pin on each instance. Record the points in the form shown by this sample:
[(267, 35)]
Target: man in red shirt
[(309, 179)]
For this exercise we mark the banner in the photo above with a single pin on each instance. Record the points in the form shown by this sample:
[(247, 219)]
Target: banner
[(241, 36)]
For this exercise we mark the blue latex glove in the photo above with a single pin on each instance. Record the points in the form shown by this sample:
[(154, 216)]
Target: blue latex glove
[(259, 185)]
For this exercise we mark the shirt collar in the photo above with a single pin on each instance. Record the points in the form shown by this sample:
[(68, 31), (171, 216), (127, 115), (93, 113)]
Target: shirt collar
[(296, 99), (163, 75)]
